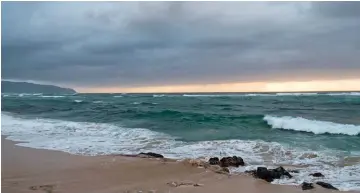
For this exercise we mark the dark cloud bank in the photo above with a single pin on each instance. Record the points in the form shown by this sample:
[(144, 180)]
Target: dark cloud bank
[(162, 43)]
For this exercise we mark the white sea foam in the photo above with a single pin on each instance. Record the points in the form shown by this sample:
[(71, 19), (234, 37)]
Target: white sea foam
[(81, 137), (248, 95), (20, 95), (139, 103), (215, 95), (258, 94), (314, 126), (345, 93), (97, 138), (98, 101), (345, 178), (201, 95), (52, 96), (118, 96), (296, 94), (78, 101), (158, 95)]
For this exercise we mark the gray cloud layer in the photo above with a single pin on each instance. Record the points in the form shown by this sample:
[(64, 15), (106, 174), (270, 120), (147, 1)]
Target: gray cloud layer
[(160, 43)]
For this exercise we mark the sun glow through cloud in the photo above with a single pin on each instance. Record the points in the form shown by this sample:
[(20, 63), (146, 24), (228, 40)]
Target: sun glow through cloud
[(315, 85)]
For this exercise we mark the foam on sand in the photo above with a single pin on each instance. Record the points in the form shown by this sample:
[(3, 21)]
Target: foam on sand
[(80, 137), (313, 126)]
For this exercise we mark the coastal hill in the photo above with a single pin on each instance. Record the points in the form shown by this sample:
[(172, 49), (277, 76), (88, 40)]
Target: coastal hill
[(25, 87)]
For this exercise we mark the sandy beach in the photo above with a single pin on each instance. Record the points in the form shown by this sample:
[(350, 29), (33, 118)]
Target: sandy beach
[(33, 170)]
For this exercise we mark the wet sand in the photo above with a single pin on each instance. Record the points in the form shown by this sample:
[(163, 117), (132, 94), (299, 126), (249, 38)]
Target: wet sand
[(34, 170)]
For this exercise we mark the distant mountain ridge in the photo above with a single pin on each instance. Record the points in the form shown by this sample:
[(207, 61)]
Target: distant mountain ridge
[(25, 87)]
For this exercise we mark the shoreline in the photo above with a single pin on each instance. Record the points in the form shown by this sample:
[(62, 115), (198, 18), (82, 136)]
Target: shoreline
[(38, 170)]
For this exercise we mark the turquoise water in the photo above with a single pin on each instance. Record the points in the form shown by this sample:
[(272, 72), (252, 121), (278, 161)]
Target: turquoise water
[(264, 128)]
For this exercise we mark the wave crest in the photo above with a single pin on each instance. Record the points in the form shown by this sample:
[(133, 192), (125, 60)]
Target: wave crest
[(313, 126)]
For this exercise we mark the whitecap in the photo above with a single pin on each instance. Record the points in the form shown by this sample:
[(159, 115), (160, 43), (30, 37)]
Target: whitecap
[(160, 95), (52, 96), (344, 93), (313, 126), (297, 94), (214, 95)]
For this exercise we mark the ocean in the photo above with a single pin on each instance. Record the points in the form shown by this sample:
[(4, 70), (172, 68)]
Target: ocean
[(315, 132)]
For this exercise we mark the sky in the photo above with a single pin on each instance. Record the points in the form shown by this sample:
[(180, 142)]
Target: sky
[(183, 46)]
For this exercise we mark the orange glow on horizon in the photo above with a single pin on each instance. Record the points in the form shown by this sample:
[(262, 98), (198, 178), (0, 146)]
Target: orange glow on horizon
[(290, 86)]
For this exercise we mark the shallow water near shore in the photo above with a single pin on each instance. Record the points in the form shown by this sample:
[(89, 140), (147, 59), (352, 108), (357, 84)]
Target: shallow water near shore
[(310, 131)]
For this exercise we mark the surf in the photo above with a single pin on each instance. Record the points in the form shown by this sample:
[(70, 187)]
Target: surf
[(311, 126)]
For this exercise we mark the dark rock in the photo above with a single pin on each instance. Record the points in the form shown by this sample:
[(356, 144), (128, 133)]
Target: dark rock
[(151, 155), (264, 173), (317, 174), (231, 161), (224, 162), (307, 186), (271, 174), (326, 185), (214, 161), (238, 161), (280, 171)]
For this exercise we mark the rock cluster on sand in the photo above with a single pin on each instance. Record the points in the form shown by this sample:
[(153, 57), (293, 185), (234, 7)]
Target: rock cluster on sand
[(270, 174), (221, 166), (233, 161), (214, 161)]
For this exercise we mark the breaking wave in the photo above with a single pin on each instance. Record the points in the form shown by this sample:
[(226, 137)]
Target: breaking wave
[(313, 126)]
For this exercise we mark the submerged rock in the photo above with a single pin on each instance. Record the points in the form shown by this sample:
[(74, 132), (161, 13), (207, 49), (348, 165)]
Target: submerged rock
[(231, 161), (270, 174), (214, 161), (307, 186), (317, 174), (150, 155), (326, 185)]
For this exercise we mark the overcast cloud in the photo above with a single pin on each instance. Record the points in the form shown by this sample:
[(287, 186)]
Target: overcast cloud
[(86, 44)]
